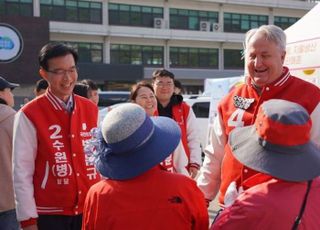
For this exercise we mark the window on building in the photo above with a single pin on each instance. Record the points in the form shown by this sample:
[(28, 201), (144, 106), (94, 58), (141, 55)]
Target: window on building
[(71, 11), (194, 57), (88, 52), (241, 23), (133, 15), (136, 54), (16, 7), (284, 22), (233, 59), (190, 19)]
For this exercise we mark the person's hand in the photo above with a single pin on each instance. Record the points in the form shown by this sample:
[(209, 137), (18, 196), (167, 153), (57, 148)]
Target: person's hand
[(193, 171), (31, 227), (231, 194)]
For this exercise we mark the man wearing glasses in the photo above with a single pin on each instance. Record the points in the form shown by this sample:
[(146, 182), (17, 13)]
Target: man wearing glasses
[(51, 172), (172, 105)]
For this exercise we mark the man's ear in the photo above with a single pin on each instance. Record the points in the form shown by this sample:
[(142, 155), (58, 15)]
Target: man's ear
[(283, 56), (43, 74)]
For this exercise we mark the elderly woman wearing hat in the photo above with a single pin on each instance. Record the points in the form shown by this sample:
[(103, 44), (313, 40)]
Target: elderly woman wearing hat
[(285, 194), (127, 151)]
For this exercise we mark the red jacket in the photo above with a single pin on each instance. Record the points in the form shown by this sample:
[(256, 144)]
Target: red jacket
[(154, 200), (52, 174), (219, 165), (273, 204), (185, 118), (287, 91)]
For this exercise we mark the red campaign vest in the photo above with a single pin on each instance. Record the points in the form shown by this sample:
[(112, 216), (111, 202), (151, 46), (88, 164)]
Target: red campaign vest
[(286, 87), (180, 113), (62, 174)]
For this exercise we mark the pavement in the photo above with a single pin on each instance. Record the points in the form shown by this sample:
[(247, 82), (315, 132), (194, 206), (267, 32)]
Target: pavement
[(213, 209)]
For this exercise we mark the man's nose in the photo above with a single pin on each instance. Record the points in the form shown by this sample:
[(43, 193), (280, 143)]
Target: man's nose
[(258, 61)]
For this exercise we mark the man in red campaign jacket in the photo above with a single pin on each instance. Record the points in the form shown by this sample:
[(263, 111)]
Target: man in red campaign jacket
[(172, 105), (51, 171), (266, 79), (285, 191)]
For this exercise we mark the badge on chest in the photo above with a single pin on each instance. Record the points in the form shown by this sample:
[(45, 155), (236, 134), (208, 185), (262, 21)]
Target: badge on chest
[(242, 102)]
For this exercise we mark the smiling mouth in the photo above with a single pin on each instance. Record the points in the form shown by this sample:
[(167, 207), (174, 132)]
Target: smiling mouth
[(66, 86), (260, 71)]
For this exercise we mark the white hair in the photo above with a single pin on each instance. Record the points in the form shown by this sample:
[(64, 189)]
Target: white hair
[(271, 33)]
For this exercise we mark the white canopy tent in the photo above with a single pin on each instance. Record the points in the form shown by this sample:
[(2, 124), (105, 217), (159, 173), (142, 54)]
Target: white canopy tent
[(303, 47)]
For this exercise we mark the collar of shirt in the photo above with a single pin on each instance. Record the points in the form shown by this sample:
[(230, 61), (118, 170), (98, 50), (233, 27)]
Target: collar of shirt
[(281, 80), (67, 106), (165, 111), (258, 178)]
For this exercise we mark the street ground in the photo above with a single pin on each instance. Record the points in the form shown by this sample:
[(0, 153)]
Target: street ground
[(213, 209)]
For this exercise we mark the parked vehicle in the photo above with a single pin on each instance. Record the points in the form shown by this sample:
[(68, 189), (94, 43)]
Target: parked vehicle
[(201, 107), (108, 98)]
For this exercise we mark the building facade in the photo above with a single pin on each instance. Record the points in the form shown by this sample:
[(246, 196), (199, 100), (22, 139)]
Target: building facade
[(122, 41)]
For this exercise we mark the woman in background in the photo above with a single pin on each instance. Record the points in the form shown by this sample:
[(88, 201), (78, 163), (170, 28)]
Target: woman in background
[(8, 218), (81, 90), (142, 94), (93, 94)]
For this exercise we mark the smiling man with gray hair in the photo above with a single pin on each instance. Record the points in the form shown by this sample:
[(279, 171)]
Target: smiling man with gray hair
[(267, 78)]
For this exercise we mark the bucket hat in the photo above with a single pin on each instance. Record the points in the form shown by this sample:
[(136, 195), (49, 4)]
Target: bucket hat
[(5, 84), (278, 143), (130, 142)]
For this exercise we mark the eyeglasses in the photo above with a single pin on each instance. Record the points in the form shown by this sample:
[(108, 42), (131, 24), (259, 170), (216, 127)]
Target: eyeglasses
[(63, 72), (162, 84)]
